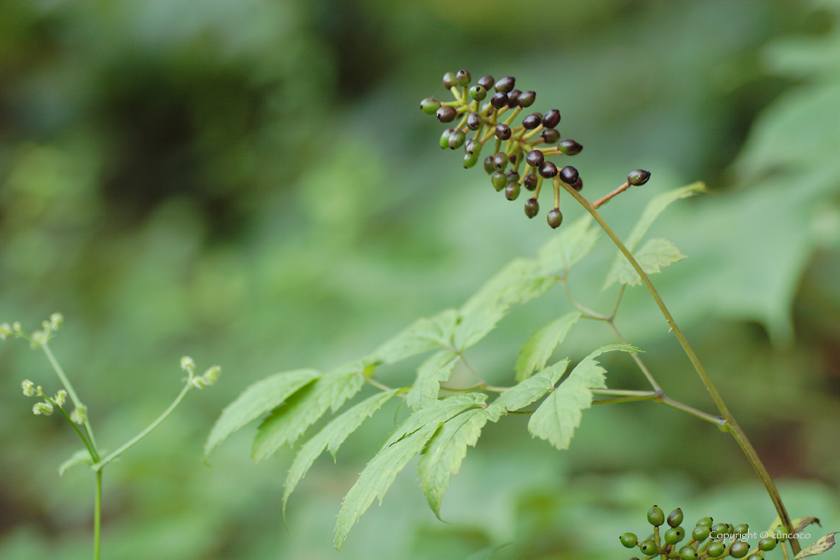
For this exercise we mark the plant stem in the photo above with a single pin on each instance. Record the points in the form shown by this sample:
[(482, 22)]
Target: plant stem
[(68, 387), (143, 434), (716, 420), (97, 515), (730, 424)]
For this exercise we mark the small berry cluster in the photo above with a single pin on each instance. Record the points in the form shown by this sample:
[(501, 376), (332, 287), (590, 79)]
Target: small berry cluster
[(707, 540), (514, 145)]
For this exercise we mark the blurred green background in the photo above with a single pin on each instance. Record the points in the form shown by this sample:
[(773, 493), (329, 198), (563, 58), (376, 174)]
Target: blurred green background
[(251, 183)]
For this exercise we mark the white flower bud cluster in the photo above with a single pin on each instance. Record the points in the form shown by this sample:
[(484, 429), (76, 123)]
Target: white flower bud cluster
[(28, 388), (208, 378), (42, 408), (79, 416)]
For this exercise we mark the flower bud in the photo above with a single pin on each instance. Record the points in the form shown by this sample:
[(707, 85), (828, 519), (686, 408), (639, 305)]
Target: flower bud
[(42, 408)]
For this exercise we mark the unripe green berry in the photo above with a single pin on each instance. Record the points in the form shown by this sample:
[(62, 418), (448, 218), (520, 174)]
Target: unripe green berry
[(780, 533), (549, 135), (638, 177), (705, 521), (741, 529), (551, 119), (506, 84), (535, 158), (500, 161), (548, 170), (570, 147), (499, 180), (486, 82), (674, 535), (719, 529), (700, 533), (530, 181), (470, 160), (767, 544), (648, 547), (526, 99), (512, 191), (688, 553), (513, 98), (449, 80), (502, 131), (446, 114), (478, 93), (457, 139), (473, 121), (532, 207), (444, 138), (628, 540), (532, 121), (500, 100), (739, 549), (430, 105), (569, 175), (675, 518), (716, 549), (655, 516), (462, 78), (488, 165), (555, 218)]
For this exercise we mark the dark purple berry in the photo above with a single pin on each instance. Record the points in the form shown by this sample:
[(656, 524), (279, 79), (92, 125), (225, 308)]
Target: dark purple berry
[(569, 175), (512, 191), (473, 121), (463, 78), (551, 118), (577, 185), (530, 181), (549, 135), (527, 99), (570, 147), (548, 170), (486, 82), (446, 114), (500, 100), (513, 98), (499, 180), (512, 158), (506, 84), (500, 160), (535, 158), (502, 131), (444, 138), (638, 177), (488, 165), (449, 80), (532, 207), (430, 105), (555, 218), (532, 121), (457, 139), (478, 93)]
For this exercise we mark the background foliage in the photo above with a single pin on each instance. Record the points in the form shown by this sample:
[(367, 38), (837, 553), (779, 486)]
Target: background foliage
[(252, 183)]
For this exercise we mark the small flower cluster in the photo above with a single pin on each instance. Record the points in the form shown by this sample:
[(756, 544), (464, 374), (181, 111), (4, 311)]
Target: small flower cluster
[(208, 378), (37, 338), (513, 145), (707, 541), (49, 404)]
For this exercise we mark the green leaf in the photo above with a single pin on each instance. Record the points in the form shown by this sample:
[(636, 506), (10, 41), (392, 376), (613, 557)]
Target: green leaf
[(287, 422), (654, 254), (255, 401), (533, 388), (421, 336), (486, 553), (80, 457), (557, 417), (430, 375), (536, 352), (409, 440), (331, 437), (651, 212), (448, 448), (823, 545), (567, 249), (518, 282)]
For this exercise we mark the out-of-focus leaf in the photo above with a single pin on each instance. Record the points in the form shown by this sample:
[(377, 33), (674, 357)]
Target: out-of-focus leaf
[(570, 247), (653, 254), (823, 545), (421, 336), (82, 456), (536, 352), (430, 375)]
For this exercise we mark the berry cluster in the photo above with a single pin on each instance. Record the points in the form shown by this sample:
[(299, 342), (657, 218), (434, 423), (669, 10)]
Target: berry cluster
[(513, 145), (706, 540)]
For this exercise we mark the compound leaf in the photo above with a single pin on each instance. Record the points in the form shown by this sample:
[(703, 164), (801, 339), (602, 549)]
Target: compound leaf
[(533, 388), (430, 375), (570, 247), (448, 448), (287, 422), (331, 437), (536, 352), (557, 417), (434, 411), (421, 336), (653, 255), (255, 401)]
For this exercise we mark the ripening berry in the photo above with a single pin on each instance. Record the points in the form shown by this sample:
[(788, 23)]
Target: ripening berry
[(530, 181), (648, 547), (532, 121), (688, 553), (512, 191), (513, 98), (569, 175), (472, 147), (675, 518), (446, 114), (512, 158), (527, 99), (548, 170), (470, 160), (512, 176), (700, 533), (500, 100), (500, 161), (478, 93), (549, 135), (488, 165), (570, 147), (502, 131), (486, 82), (463, 78), (532, 207), (535, 158), (767, 544), (449, 80), (506, 84), (638, 177), (715, 549), (739, 549), (499, 180), (551, 119), (473, 121), (674, 535), (555, 218), (628, 540), (457, 139), (444, 138), (430, 105), (655, 516)]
